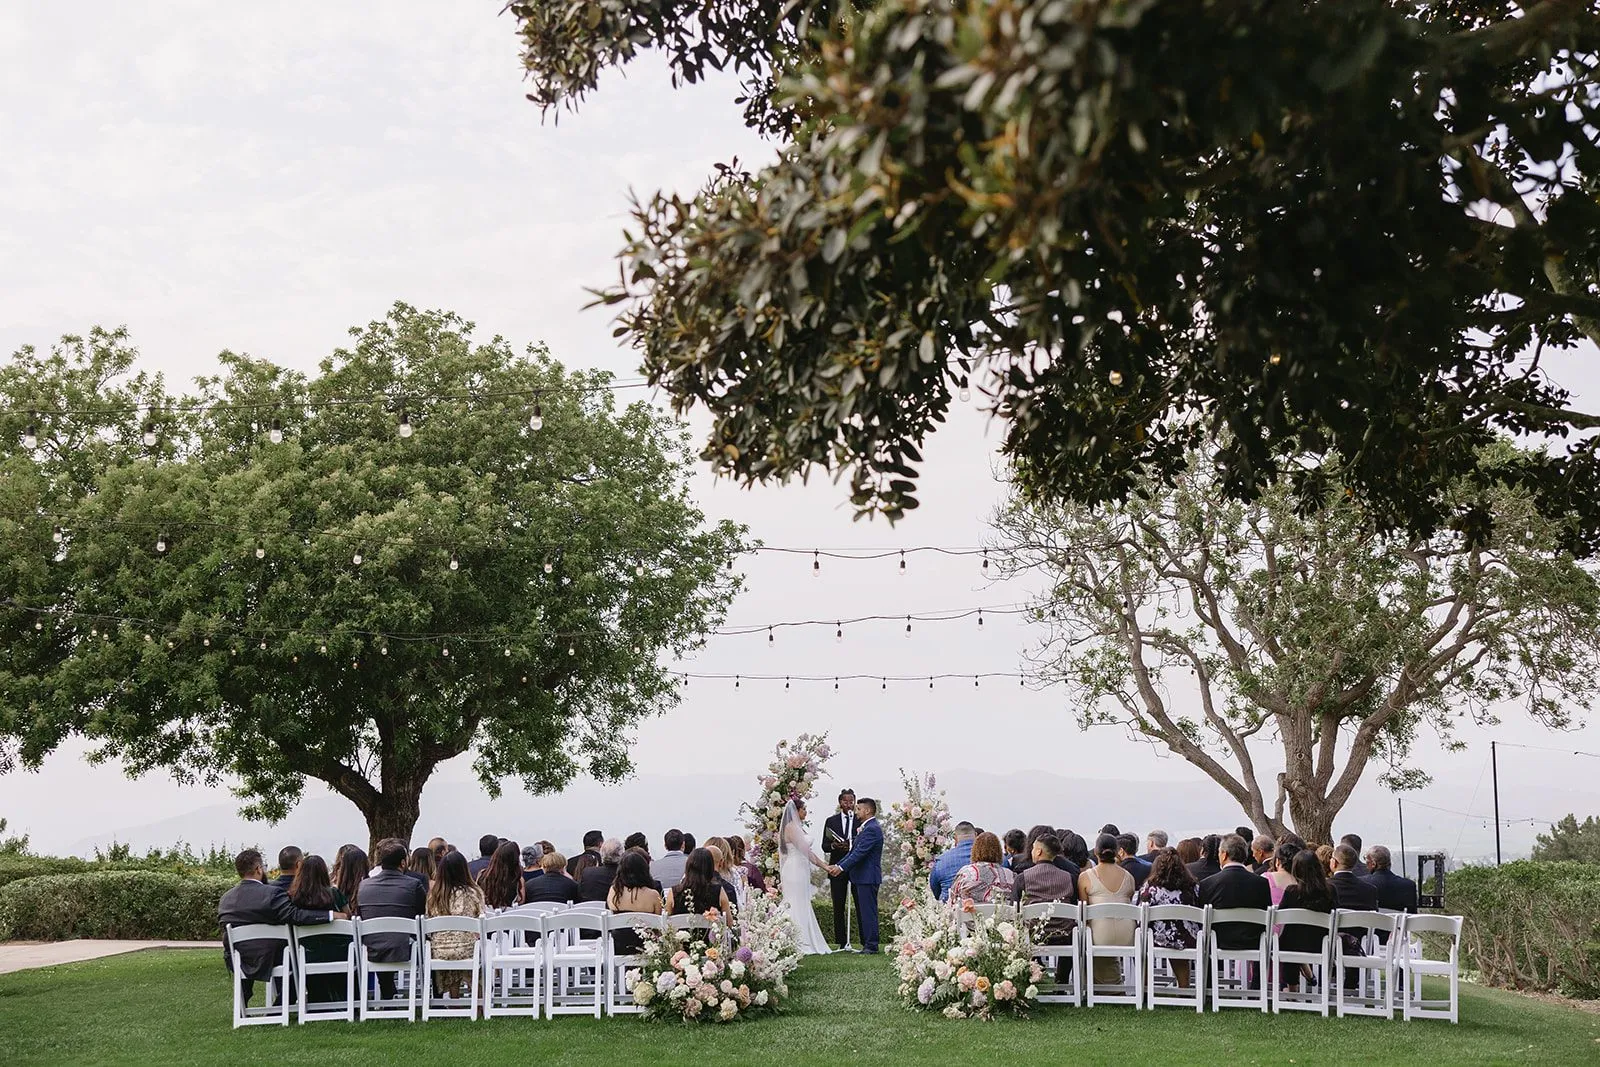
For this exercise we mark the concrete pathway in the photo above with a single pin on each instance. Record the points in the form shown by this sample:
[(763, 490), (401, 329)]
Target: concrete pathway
[(25, 955)]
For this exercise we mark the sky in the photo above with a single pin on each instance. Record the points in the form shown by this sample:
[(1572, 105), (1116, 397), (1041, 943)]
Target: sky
[(262, 178)]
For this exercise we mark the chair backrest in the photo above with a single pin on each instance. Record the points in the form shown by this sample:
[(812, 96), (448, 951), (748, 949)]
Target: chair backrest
[(590, 906), (388, 925), (1433, 924), (1049, 909), (688, 922), (564, 921), (637, 920), (1322, 920), (509, 921), (1113, 911), (438, 924), (332, 928), (1383, 921), (1257, 917), (258, 932), (538, 907), (1175, 913)]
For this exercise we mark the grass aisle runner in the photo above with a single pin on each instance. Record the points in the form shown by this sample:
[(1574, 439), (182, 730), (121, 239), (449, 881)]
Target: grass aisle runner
[(172, 1007)]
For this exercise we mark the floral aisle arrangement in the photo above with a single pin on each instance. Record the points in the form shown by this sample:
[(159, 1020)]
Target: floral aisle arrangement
[(723, 975), (987, 972), (792, 775), (923, 823)]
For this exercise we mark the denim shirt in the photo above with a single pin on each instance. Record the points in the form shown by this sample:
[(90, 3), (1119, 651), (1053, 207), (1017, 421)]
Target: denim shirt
[(946, 867)]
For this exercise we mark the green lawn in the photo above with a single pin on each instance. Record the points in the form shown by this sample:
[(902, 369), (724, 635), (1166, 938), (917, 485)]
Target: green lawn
[(172, 1007)]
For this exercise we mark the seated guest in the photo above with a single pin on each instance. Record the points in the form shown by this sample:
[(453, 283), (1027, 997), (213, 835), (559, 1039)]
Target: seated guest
[(752, 870), (1075, 849), (254, 901), (1312, 892), (1261, 850), (595, 881), (420, 865), (437, 846), (390, 894), (985, 880), (1245, 832), (632, 891), (729, 875), (349, 871), (1325, 857), (1015, 843), (588, 857), (1351, 892), (313, 890), (1353, 840), (699, 890), (637, 840), (688, 844), (1154, 842), (1236, 886), (1209, 862), (950, 861), (486, 847), (454, 893), (556, 886), (1127, 844), (1189, 850), (668, 867), (501, 881), (1106, 883), (531, 869), (1281, 877), (1171, 883), (288, 865), (1395, 892), (1024, 861), (1050, 878)]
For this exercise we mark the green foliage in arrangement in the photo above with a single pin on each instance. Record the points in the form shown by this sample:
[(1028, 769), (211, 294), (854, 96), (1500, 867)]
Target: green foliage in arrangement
[(1531, 925), (137, 905)]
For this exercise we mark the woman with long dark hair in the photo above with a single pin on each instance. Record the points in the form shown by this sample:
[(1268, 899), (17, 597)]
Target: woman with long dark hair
[(420, 865), (349, 871), (632, 891), (452, 893), (313, 890), (1209, 862), (1312, 892), (501, 881), (1281, 877), (1171, 883), (701, 889)]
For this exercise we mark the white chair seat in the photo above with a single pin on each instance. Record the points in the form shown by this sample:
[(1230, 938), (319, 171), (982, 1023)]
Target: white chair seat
[(275, 1011)]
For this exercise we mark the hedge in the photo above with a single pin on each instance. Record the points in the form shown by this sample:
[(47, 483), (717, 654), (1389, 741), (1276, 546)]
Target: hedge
[(14, 866), (137, 905), (1532, 925)]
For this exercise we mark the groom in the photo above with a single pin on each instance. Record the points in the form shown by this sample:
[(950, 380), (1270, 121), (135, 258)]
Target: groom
[(864, 867)]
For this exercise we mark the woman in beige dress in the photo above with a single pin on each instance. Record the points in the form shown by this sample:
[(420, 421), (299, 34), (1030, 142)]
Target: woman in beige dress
[(1106, 883), (453, 893)]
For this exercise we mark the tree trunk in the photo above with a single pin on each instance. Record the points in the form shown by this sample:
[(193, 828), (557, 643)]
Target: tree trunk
[(1313, 820), (393, 813)]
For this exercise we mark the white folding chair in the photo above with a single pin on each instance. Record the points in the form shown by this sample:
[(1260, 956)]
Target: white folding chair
[(619, 979), (405, 971), (275, 1011), (595, 907), (1229, 968), (1159, 993), (435, 1006), (1129, 989), (322, 1011), (1374, 967), (574, 963), (688, 922), (1050, 957), (1297, 996), (513, 964), (1414, 967)]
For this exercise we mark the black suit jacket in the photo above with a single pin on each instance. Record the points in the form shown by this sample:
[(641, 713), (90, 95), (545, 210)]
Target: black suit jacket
[(390, 895), (1395, 892), (283, 882), (1236, 887), (256, 902), (551, 889), (1139, 868), (595, 883), (835, 822), (583, 861), (1351, 893)]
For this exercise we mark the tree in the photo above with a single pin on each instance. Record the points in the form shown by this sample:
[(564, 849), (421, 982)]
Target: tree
[(1352, 229), (1307, 631), (349, 605), (1570, 840)]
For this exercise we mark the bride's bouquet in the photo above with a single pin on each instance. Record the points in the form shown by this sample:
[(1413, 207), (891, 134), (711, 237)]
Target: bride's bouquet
[(984, 971), (792, 775), (713, 977), (922, 820)]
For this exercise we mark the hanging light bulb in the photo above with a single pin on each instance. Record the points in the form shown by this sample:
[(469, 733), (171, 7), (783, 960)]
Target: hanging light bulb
[(930, 683), (571, 651), (322, 647), (548, 567), (1275, 359), (536, 420), (816, 564), (836, 683), (883, 683), (56, 535), (206, 641), (986, 563), (38, 626), (736, 681), (838, 632), (902, 563), (786, 681), (30, 436), (356, 559), (508, 653), (149, 436), (964, 393), (161, 543), (1115, 377), (444, 651), (261, 550), (638, 572), (980, 616), (275, 435), (263, 642), (148, 639), (383, 650), (405, 428), (974, 681), (455, 563), (524, 679), (769, 635), (908, 625)]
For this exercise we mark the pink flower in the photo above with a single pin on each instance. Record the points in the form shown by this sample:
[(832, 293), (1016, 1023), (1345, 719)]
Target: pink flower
[(1005, 991)]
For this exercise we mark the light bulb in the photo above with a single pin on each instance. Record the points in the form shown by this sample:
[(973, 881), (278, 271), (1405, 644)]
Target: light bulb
[(275, 435), (986, 561), (405, 424), (571, 651), (56, 535), (838, 632), (883, 683), (736, 681), (836, 683), (902, 563), (638, 572), (1275, 359), (38, 626), (206, 641), (322, 648), (965, 393), (455, 564), (30, 437), (786, 682), (974, 682), (356, 559), (149, 436), (816, 565), (383, 650), (769, 635), (930, 683), (263, 643), (444, 652), (548, 567), (908, 625), (508, 653), (261, 550), (161, 543), (1115, 377), (980, 616), (148, 639), (536, 420)]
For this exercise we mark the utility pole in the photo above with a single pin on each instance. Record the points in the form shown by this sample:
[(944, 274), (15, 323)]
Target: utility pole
[(1494, 773), (1400, 806)]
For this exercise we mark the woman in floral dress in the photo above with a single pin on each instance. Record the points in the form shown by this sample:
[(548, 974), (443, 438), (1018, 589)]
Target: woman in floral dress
[(453, 893), (985, 880), (1171, 883)]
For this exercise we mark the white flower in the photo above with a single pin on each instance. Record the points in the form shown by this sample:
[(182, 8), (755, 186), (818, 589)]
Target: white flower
[(736, 969), (762, 998), (1032, 992)]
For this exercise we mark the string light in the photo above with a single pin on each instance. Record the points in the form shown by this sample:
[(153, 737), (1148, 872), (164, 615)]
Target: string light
[(275, 435), (405, 423), (149, 435), (816, 564), (57, 534), (838, 633), (261, 550), (1275, 359), (902, 563), (736, 681), (356, 559), (638, 571), (161, 543), (908, 625), (964, 392), (30, 436), (1115, 377), (508, 653), (548, 567), (770, 638), (455, 563), (536, 420), (980, 616), (786, 683)]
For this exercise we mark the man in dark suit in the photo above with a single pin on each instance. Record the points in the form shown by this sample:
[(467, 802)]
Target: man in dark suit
[(1236, 886), (288, 866), (1395, 892), (1261, 853), (589, 857), (1154, 842), (838, 836), (390, 894), (1129, 860), (864, 866), (595, 882), (253, 901), (486, 846), (1351, 892)]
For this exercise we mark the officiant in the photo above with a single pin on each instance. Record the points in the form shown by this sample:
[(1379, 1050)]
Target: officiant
[(838, 836)]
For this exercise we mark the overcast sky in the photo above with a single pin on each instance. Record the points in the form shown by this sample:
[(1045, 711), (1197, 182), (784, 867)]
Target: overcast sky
[(260, 178)]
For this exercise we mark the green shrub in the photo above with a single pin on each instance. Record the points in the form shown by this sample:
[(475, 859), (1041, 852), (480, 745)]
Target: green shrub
[(1531, 925), (138, 905), (180, 860)]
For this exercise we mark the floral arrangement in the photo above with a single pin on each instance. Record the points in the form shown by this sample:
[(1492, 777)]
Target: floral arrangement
[(709, 976), (987, 971), (924, 825), (792, 775)]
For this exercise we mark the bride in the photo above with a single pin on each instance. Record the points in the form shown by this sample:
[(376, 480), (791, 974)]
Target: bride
[(794, 877)]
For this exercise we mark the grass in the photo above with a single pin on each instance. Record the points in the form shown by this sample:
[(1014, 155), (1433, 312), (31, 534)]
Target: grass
[(172, 1007)]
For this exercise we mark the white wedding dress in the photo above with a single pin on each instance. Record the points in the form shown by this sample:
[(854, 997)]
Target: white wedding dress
[(794, 880)]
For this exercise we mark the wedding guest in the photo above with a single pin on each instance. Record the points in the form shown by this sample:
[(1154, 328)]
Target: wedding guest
[(349, 871), (699, 890), (288, 864), (1261, 850), (1294, 839), (390, 894), (1325, 857), (1209, 862), (486, 849), (1024, 861), (1245, 832), (420, 865), (595, 880), (637, 840), (1189, 851), (1311, 892), (1236, 886), (253, 901), (986, 880), (1351, 892), (952, 860), (454, 893), (1171, 883), (688, 843), (1354, 841), (313, 890), (633, 890), (752, 870), (1110, 828), (727, 873), (1395, 892), (531, 868), (1281, 876), (1154, 842), (1016, 843), (1127, 845), (1106, 883), (589, 857), (668, 867), (1075, 849), (1049, 877), (437, 845), (501, 881), (556, 886)]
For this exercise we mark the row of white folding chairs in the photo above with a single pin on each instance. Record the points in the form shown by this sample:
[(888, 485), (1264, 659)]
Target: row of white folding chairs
[(1389, 968), (526, 961)]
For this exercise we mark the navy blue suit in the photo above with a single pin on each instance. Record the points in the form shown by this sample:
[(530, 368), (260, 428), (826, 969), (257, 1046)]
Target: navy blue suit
[(863, 865)]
